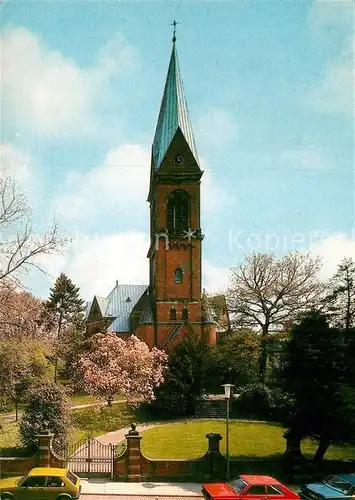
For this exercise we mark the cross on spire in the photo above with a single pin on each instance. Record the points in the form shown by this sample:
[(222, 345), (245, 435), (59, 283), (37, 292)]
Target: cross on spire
[(174, 23)]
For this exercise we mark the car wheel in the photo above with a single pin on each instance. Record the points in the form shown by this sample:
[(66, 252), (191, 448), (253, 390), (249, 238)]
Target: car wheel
[(64, 497), (6, 496)]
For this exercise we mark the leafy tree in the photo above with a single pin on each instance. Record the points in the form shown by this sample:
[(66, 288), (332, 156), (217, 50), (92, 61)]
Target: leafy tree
[(234, 359), (267, 293), (185, 377), (113, 365), (48, 407), (64, 309), (21, 366), (313, 373), (19, 245), (340, 302)]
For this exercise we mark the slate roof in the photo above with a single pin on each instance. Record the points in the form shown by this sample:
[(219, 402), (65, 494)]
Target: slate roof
[(173, 114), (120, 303), (87, 308), (102, 304)]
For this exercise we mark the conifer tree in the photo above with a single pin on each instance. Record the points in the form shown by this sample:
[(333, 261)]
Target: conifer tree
[(64, 310), (340, 302), (313, 374)]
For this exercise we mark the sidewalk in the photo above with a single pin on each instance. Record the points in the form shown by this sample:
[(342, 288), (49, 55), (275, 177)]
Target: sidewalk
[(137, 490)]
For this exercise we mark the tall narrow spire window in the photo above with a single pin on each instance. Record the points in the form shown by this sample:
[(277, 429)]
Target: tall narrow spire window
[(185, 314), (173, 314), (178, 208), (178, 275)]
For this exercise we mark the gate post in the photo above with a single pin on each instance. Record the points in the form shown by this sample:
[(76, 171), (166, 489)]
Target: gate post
[(134, 454), (44, 448)]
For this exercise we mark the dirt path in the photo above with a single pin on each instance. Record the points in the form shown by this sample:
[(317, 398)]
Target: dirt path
[(6, 418)]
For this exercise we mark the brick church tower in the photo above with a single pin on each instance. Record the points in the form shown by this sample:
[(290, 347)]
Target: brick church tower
[(171, 305)]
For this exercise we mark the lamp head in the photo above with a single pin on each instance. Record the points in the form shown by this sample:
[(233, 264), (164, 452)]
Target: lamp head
[(227, 390)]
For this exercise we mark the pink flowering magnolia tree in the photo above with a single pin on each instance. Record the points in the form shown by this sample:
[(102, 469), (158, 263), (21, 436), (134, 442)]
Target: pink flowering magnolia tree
[(122, 366)]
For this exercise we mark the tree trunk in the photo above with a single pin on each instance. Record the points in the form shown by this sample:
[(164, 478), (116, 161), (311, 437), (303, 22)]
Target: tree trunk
[(109, 401), (263, 355), (57, 347), (293, 446), (322, 448)]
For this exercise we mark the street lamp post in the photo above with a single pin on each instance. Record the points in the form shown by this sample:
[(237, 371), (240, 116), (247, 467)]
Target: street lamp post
[(227, 392)]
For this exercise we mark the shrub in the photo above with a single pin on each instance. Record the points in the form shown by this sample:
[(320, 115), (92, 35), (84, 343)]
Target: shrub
[(254, 400), (5, 405), (258, 400), (48, 407)]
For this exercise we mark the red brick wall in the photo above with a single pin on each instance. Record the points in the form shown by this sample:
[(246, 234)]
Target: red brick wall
[(13, 466), (147, 334)]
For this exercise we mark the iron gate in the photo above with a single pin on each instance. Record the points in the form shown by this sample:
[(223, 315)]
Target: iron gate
[(90, 458)]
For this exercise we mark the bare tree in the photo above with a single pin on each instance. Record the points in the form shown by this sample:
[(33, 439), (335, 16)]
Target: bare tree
[(21, 315), (267, 292), (19, 245)]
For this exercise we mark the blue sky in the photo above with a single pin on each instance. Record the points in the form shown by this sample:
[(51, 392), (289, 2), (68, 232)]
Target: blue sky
[(269, 89)]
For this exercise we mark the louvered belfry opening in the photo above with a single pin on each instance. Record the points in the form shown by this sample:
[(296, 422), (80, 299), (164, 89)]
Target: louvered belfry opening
[(178, 275), (178, 209)]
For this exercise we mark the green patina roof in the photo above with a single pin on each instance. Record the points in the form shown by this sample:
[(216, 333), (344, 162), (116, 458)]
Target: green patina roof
[(173, 114)]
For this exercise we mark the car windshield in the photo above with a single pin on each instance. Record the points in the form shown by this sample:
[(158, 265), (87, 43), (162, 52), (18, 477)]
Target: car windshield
[(22, 479), (72, 477), (339, 484), (238, 484)]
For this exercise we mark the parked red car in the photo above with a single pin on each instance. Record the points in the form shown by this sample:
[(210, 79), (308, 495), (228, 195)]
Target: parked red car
[(249, 487)]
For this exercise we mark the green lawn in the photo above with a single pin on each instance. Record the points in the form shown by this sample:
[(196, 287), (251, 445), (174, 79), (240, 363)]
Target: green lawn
[(86, 422), (84, 399), (97, 421), (246, 441)]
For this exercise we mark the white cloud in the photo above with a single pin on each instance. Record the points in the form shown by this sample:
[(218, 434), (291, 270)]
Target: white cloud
[(331, 23), (333, 249), (217, 127), (121, 181), (94, 263), (335, 91), (49, 93), (310, 158), (14, 164), (329, 20), (215, 279), (213, 195)]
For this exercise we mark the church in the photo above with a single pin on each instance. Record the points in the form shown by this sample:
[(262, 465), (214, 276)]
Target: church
[(171, 305)]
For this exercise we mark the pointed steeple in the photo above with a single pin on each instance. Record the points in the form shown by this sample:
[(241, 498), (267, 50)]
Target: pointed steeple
[(173, 114)]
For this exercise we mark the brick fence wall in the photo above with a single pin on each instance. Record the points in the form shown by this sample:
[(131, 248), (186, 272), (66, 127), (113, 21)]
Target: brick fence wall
[(45, 457), (132, 465)]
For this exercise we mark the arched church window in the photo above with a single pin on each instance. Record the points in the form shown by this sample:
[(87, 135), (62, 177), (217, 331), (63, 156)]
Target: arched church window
[(178, 275), (185, 314), (173, 314), (178, 208)]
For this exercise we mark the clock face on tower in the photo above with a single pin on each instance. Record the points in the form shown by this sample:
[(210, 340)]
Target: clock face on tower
[(178, 160)]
